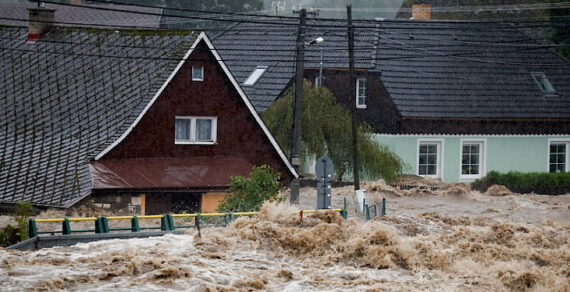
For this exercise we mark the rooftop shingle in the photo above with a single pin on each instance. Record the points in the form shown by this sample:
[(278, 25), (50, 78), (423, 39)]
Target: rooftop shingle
[(69, 96)]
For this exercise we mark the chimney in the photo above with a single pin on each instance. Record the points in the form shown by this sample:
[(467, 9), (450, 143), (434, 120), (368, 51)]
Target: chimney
[(421, 11), (39, 22)]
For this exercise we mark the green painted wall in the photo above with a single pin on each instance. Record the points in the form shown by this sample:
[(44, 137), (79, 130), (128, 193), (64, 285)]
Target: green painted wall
[(503, 153)]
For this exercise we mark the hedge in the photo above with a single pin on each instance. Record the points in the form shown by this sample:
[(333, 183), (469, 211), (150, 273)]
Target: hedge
[(538, 182)]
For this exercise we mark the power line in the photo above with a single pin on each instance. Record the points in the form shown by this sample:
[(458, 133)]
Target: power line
[(293, 23)]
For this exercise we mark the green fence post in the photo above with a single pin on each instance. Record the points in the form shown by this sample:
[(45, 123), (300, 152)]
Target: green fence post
[(105, 224), (98, 225), (32, 229), (367, 212), (135, 224), (164, 224), (383, 207), (227, 219), (65, 228), (200, 219), (344, 212), (170, 221), (232, 217)]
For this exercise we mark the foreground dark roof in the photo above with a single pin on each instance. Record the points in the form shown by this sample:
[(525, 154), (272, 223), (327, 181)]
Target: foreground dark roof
[(430, 69), (68, 97)]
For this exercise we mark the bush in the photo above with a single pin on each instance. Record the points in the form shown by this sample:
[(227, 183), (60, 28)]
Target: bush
[(23, 212), (248, 194), (538, 182)]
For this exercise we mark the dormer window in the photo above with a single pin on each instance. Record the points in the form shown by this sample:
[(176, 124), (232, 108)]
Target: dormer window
[(543, 82), (254, 76), (197, 73)]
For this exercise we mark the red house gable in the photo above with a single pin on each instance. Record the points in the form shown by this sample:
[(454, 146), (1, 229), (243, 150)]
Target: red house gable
[(151, 155)]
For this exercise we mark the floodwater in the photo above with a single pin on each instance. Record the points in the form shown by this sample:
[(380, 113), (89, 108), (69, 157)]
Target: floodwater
[(459, 242)]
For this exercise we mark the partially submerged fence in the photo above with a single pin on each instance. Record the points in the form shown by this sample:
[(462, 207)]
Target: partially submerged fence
[(167, 222), (376, 210)]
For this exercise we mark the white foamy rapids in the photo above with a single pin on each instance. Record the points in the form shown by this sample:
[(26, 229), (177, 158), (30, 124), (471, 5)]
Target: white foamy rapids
[(323, 253)]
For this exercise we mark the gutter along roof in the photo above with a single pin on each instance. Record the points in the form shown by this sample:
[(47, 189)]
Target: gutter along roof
[(431, 69)]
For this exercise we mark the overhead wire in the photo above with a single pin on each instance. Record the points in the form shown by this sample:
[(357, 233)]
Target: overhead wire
[(250, 20)]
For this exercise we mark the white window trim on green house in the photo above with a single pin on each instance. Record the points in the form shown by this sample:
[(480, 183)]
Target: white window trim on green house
[(564, 141), (481, 161), (439, 161), (503, 153)]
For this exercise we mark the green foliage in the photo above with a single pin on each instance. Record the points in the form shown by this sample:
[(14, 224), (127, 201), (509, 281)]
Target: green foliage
[(327, 130), (23, 212), (10, 235), (559, 31), (248, 194), (540, 182), (7, 236)]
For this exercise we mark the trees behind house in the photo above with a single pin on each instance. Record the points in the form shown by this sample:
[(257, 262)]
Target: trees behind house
[(327, 130)]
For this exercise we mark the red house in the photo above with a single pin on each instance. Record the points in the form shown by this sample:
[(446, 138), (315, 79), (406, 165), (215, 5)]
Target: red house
[(146, 122)]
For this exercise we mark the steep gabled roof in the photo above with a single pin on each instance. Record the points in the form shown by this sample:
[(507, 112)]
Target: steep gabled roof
[(74, 95), (430, 68), (70, 95)]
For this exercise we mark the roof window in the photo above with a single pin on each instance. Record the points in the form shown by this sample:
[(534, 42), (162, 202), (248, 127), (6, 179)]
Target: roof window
[(543, 82), (254, 76)]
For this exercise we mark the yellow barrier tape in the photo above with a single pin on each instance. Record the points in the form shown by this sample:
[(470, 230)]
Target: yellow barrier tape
[(83, 219), (212, 214), (184, 215), (50, 220), (121, 217), (150, 217), (173, 215), (243, 213)]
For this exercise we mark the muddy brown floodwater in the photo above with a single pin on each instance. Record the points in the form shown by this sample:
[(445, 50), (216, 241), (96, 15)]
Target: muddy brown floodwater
[(452, 239)]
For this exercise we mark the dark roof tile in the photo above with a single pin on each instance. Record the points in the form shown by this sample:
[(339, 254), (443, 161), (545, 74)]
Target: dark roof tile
[(57, 96)]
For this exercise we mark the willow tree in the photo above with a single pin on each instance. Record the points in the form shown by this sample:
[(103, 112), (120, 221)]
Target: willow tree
[(327, 130)]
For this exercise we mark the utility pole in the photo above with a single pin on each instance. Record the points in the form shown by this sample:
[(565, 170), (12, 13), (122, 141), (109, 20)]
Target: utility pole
[(352, 100), (298, 108)]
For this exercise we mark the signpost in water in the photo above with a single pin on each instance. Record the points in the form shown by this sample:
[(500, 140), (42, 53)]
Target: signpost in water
[(324, 169)]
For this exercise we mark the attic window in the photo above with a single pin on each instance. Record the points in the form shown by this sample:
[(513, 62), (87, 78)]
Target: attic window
[(197, 73), (543, 82), (255, 75)]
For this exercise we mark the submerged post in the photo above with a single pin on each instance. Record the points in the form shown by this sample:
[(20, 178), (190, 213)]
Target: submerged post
[(344, 213), (135, 224), (197, 223), (32, 229), (65, 228)]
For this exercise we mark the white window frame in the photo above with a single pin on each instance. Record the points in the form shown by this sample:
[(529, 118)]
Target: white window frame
[(482, 158), (540, 78), (559, 141), (255, 75), (192, 140), (195, 78), (359, 105), (439, 162)]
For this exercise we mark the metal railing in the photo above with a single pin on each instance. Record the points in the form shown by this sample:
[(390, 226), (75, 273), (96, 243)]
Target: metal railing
[(101, 224), (373, 211)]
